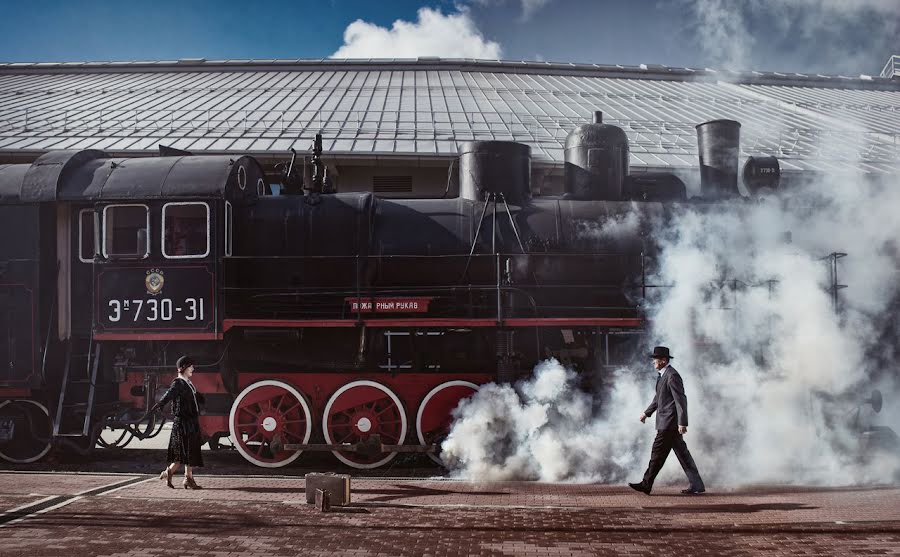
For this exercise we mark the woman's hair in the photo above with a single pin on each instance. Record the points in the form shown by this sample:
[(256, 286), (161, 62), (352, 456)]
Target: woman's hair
[(183, 363)]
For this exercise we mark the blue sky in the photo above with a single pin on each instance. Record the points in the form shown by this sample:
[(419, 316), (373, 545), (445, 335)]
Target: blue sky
[(814, 36)]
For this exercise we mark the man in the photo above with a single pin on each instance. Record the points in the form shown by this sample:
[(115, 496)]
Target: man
[(670, 404)]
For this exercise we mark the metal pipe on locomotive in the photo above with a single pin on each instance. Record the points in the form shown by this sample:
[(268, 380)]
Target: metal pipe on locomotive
[(319, 320)]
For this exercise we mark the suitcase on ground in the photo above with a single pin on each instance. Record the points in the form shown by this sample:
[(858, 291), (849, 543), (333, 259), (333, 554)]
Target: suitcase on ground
[(338, 486)]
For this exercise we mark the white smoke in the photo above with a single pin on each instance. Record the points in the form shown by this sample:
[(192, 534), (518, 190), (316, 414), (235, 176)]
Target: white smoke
[(774, 375), (614, 229), (453, 35), (774, 370), (743, 34), (544, 429)]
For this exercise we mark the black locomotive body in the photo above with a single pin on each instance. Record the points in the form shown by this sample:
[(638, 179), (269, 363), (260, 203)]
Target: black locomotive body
[(338, 321)]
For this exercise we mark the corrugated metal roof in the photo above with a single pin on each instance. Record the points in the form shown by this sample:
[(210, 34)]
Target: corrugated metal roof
[(428, 107)]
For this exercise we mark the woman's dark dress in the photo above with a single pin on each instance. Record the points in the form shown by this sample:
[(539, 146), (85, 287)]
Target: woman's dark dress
[(186, 440)]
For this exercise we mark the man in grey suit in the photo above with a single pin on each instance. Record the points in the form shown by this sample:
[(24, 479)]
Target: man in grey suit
[(670, 405)]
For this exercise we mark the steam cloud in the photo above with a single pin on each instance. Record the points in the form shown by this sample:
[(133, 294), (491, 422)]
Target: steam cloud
[(739, 35), (774, 376), (454, 35)]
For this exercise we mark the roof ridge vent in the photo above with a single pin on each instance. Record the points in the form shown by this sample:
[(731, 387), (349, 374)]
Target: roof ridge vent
[(191, 61), (892, 67)]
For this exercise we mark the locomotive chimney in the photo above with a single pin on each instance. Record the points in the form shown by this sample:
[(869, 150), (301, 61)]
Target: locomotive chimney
[(719, 143)]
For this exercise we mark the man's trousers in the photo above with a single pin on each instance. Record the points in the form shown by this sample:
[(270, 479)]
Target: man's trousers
[(666, 440)]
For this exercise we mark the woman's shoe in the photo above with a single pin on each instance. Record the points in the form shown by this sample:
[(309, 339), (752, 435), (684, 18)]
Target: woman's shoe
[(165, 475), (189, 483)]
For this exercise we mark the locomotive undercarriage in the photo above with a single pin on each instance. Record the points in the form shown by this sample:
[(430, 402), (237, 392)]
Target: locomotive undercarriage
[(365, 394)]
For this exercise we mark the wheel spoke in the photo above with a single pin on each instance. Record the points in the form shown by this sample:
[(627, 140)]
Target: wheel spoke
[(247, 410), (344, 439), (389, 408)]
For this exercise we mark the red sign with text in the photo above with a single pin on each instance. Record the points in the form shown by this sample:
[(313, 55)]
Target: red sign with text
[(389, 305)]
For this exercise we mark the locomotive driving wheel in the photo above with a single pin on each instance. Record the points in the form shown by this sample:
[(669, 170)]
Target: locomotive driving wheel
[(434, 417), (359, 410), (27, 431), (266, 412)]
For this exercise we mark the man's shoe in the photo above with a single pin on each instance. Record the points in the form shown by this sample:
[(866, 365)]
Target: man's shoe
[(692, 491), (640, 487)]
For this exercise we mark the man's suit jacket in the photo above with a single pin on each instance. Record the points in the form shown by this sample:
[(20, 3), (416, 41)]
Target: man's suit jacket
[(670, 403)]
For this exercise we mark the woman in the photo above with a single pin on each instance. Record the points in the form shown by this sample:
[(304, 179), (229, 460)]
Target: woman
[(185, 440)]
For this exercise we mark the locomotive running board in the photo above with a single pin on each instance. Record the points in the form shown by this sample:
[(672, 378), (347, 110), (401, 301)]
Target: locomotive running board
[(439, 322), (357, 447), (365, 447)]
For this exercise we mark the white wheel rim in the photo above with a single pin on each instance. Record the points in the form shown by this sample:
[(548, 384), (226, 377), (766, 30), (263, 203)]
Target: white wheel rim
[(235, 435), (327, 412), (43, 452), (428, 397)]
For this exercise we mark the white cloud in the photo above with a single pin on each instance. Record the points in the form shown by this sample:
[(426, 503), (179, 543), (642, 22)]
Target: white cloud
[(453, 35)]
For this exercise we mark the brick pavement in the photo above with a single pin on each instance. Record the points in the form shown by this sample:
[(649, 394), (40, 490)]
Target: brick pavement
[(267, 515), (48, 483), (9, 502)]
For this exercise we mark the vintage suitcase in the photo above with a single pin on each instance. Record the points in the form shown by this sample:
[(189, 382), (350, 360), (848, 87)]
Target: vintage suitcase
[(323, 500), (338, 486)]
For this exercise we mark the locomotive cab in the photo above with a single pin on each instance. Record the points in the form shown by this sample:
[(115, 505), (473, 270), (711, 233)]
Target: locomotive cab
[(157, 271), (140, 244)]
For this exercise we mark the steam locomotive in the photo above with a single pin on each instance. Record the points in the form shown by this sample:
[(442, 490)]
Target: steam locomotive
[(319, 320)]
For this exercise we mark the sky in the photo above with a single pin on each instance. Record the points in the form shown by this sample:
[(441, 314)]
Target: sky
[(834, 37)]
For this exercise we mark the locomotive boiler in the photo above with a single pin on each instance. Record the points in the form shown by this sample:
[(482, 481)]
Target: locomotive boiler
[(319, 320)]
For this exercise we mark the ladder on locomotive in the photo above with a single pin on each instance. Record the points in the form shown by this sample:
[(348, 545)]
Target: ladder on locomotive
[(78, 388)]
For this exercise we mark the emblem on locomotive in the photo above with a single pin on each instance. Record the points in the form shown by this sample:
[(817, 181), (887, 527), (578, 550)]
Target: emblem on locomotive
[(154, 281)]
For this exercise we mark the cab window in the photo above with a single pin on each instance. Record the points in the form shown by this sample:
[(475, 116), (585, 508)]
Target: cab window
[(86, 236), (185, 230), (126, 229)]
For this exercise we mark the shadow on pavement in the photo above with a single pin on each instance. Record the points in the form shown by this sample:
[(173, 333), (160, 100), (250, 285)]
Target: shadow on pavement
[(735, 508), (410, 491)]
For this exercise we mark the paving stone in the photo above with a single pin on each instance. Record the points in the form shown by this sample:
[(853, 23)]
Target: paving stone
[(268, 516)]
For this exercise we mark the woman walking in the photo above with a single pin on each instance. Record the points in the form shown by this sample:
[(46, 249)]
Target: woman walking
[(185, 440)]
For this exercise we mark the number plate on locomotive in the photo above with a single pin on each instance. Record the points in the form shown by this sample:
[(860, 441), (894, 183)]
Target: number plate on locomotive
[(155, 298)]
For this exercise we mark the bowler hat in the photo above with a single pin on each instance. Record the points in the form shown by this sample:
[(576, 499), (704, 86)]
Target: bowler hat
[(184, 362), (661, 352)]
